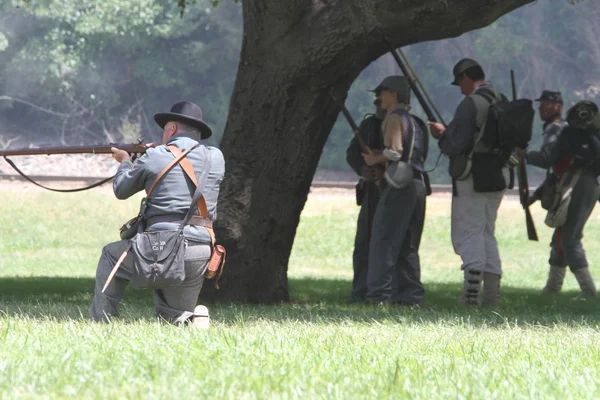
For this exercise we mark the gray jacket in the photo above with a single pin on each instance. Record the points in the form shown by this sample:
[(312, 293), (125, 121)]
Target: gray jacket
[(551, 133), (459, 136), (173, 194)]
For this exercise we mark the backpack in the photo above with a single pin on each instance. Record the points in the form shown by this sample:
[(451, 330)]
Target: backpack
[(585, 148), (509, 124)]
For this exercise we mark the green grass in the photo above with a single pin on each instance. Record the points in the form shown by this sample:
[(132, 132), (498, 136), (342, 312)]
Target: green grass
[(531, 347)]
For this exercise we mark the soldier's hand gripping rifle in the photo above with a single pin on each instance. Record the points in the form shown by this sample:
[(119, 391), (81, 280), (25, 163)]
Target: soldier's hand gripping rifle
[(522, 177), (133, 148)]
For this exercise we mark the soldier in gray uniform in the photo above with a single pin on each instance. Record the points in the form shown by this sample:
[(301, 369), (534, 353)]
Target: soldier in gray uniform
[(167, 206), (394, 272), (474, 212), (567, 155), (367, 196), (550, 111)]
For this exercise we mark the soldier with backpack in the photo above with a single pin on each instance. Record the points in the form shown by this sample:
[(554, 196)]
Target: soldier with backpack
[(479, 151), (394, 272), (570, 193)]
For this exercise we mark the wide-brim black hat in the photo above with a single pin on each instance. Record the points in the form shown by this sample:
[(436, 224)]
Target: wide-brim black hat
[(186, 112)]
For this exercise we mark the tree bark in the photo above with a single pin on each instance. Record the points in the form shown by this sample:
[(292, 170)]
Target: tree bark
[(281, 112)]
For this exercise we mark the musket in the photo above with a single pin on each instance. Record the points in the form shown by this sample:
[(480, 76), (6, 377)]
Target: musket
[(522, 177), (366, 150), (363, 146), (132, 148), (413, 79)]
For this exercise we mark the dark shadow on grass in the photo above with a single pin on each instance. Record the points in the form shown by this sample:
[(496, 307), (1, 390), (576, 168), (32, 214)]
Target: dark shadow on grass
[(319, 301)]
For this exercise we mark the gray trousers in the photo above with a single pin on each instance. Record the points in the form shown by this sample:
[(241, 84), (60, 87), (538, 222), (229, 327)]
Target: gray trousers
[(473, 225), (566, 247), (394, 272), (174, 304), (360, 256)]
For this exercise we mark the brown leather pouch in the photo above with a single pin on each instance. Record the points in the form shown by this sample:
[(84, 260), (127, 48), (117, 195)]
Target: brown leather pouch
[(216, 264)]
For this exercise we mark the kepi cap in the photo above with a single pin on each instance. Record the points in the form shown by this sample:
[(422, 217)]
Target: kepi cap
[(461, 67), (549, 95), (395, 83)]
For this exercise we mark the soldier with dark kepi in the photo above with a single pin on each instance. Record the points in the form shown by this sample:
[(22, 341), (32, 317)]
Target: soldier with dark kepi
[(167, 206), (394, 272), (479, 182), (367, 196), (570, 193), (550, 111)]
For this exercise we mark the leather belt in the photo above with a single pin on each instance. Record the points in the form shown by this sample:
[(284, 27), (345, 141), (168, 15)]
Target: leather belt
[(196, 220)]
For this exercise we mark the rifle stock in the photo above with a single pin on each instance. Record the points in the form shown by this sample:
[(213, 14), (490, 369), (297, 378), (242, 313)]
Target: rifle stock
[(522, 177), (137, 148)]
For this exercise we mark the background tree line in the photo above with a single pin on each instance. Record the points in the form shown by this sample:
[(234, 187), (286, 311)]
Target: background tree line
[(75, 71)]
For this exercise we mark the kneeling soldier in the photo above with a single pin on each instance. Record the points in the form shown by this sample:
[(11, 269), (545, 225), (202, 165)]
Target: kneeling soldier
[(167, 205)]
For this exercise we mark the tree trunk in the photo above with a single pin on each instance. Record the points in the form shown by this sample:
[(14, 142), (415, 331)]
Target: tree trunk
[(281, 112)]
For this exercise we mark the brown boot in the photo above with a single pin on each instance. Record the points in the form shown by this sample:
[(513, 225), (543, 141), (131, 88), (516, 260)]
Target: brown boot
[(491, 288), (586, 282), (472, 288), (556, 277)]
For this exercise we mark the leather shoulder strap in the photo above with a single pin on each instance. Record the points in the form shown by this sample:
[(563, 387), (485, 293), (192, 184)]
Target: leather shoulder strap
[(168, 168), (409, 135), (189, 171)]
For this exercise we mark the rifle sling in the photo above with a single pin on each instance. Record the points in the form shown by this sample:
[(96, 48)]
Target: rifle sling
[(202, 219), (99, 183)]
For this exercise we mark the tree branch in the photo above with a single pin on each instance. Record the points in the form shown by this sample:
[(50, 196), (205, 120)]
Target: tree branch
[(58, 114)]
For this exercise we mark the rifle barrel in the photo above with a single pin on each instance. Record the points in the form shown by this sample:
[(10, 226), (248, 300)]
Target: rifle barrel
[(522, 176), (513, 85), (100, 149), (352, 124), (416, 77), (411, 81)]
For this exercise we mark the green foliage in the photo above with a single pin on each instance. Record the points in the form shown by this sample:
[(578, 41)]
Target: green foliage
[(112, 63), (109, 65)]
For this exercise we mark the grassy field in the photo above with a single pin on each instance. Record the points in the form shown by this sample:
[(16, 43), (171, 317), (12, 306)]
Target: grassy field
[(530, 347)]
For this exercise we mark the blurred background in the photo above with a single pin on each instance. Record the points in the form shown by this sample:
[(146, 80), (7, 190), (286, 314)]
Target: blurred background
[(83, 71)]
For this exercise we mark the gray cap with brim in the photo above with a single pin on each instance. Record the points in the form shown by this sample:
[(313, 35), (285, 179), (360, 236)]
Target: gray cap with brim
[(461, 67), (395, 83)]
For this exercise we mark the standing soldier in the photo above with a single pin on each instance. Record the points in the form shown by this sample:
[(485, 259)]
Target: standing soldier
[(367, 196), (394, 273), (478, 190), (550, 110), (573, 158)]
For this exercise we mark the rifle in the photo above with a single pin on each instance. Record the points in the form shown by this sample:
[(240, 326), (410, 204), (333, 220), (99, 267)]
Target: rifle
[(133, 148), (363, 146), (378, 170), (413, 79), (522, 177)]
